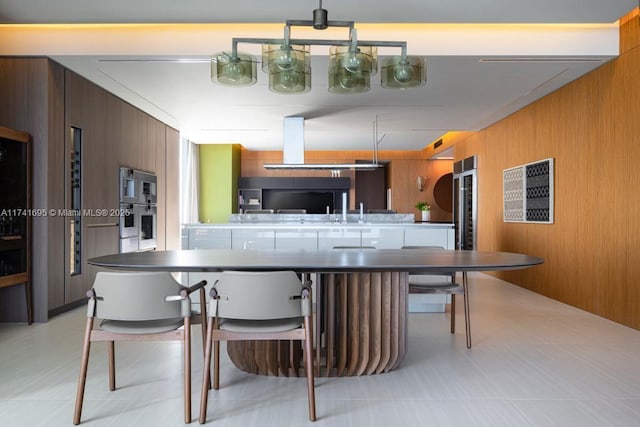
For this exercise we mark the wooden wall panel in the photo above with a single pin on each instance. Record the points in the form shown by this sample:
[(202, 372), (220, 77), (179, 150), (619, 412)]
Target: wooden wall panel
[(128, 137), (172, 176), (114, 134), (111, 149), (55, 178), (403, 181), (80, 101), (29, 98), (403, 170), (160, 165), (40, 97), (591, 128)]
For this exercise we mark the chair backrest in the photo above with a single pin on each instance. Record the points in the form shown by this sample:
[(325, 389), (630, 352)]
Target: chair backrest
[(258, 211), (136, 296), (381, 211), (433, 248), (258, 295), (292, 211)]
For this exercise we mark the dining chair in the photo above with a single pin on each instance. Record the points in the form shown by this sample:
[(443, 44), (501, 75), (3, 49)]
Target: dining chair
[(381, 211), (292, 211), (273, 305), (430, 283), (145, 306), (349, 211)]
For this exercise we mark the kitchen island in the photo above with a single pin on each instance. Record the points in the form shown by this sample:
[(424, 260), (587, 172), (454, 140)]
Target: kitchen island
[(260, 233), (313, 231)]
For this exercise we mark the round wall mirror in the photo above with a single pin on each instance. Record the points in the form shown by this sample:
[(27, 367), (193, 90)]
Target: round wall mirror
[(443, 192)]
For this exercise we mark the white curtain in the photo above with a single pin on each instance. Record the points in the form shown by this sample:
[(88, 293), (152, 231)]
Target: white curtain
[(189, 191)]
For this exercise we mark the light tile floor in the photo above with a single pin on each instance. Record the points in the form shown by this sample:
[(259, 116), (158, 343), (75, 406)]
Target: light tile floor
[(534, 362)]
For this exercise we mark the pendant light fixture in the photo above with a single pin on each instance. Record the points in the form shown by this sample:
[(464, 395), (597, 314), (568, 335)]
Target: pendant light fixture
[(234, 69), (351, 67), (288, 66), (287, 61), (401, 73)]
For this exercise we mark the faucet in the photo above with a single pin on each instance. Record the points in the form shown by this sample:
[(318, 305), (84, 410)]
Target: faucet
[(344, 207), (361, 220)]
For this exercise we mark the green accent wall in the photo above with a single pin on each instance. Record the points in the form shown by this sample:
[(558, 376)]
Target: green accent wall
[(219, 172)]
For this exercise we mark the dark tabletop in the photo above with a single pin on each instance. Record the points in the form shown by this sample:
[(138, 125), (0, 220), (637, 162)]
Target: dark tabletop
[(332, 260)]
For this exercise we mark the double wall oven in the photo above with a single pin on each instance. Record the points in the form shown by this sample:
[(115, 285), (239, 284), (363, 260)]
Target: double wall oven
[(138, 210)]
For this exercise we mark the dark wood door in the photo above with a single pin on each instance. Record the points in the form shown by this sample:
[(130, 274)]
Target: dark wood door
[(371, 188)]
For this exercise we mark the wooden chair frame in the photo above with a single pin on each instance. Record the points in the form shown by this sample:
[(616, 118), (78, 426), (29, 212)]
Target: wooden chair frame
[(215, 335), (183, 334), (455, 289)]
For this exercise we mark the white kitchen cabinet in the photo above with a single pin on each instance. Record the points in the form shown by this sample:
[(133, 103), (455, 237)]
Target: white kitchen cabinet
[(296, 238), (207, 238), (253, 238), (339, 236), (443, 237), (383, 237)]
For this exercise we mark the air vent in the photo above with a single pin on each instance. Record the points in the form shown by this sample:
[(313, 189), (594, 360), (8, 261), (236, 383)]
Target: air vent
[(465, 165), (542, 59)]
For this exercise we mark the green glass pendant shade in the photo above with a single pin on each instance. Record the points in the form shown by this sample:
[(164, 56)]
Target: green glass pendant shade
[(234, 71)]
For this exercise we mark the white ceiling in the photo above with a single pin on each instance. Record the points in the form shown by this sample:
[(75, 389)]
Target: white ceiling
[(462, 92)]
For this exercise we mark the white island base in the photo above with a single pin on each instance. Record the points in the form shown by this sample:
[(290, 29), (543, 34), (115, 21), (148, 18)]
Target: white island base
[(295, 234)]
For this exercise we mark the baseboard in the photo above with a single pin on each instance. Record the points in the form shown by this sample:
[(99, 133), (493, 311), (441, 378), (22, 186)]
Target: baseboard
[(67, 307)]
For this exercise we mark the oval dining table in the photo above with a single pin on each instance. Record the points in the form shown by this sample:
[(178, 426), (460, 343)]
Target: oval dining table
[(361, 315)]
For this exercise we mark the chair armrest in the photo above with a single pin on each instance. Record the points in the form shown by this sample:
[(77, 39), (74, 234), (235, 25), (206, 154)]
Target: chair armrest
[(305, 295), (183, 297), (91, 306), (186, 291), (213, 302), (191, 289)]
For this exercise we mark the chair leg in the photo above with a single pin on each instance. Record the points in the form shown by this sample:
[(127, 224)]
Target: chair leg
[(216, 358), (203, 317), (187, 370), (467, 320), (28, 295), (82, 378), (206, 373), (111, 356), (320, 278), (453, 313), (203, 323), (308, 364), (216, 365)]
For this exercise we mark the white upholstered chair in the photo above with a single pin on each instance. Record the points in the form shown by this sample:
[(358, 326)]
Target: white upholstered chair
[(258, 306), (148, 306)]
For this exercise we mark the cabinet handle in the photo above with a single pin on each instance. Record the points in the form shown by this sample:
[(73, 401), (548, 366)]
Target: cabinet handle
[(17, 237), (106, 224)]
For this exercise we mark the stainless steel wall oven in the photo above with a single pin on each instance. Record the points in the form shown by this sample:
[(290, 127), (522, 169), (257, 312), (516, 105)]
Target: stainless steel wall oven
[(138, 207)]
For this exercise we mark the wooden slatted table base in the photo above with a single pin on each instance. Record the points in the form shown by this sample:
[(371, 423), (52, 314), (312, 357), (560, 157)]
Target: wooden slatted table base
[(362, 319)]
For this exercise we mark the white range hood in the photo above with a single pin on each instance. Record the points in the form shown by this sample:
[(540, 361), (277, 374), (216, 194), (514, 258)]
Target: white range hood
[(293, 151)]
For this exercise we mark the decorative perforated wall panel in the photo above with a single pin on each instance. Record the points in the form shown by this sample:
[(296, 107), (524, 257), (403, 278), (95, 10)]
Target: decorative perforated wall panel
[(528, 192)]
